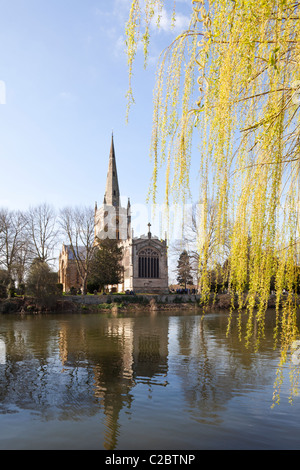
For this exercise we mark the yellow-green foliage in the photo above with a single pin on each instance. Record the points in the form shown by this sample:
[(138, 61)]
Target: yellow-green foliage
[(232, 79)]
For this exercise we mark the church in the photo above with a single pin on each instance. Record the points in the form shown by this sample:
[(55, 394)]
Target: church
[(145, 259)]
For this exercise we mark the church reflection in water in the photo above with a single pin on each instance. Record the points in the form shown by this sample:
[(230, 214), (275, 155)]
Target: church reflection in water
[(121, 354), (105, 370)]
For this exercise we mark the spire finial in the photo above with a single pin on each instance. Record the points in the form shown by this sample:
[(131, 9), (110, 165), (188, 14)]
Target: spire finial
[(112, 147)]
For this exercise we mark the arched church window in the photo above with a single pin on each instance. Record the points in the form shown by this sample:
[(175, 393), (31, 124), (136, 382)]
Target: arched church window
[(148, 264)]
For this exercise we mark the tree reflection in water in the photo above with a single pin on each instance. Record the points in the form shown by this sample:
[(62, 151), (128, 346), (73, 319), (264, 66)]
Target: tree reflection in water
[(129, 373)]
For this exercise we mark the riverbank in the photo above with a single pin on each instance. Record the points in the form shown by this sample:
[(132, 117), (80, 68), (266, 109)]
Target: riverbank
[(116, 302), (79, 303)]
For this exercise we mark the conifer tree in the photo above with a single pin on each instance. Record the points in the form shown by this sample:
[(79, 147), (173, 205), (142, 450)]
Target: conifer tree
[(106, 268), (184, 270)]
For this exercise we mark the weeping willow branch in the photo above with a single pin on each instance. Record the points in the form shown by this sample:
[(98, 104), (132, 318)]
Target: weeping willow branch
[(230, 83)]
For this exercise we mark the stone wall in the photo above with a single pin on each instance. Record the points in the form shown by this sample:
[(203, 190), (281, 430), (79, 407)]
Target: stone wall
[(162, 298)]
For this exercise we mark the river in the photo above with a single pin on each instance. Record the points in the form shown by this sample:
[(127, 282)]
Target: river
[(142, 381)]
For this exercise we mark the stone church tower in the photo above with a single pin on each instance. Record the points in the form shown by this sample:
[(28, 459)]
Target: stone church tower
[(145, 259), (111, 220)]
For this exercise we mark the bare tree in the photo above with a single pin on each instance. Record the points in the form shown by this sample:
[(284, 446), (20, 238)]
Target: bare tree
[(12, 228), (42, 231), (196, 233), (77, 225), (22, 260)]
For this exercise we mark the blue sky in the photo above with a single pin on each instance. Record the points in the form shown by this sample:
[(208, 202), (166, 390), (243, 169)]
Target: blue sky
[(65, 74)]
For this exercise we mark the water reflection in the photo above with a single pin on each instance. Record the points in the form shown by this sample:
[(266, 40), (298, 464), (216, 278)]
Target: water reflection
[(70, 367), (2, 352), (213, 367)]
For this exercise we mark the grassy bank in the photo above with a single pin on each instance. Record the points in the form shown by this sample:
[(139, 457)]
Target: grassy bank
[(80, 303)]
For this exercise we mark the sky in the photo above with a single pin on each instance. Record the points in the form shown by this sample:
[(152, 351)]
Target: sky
[(63, 81)]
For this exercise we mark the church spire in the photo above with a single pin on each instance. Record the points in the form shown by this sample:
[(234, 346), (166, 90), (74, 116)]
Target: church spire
[(112, 193)]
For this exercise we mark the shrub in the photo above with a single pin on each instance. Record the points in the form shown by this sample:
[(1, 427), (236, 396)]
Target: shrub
[(8, 307), (42, 284)]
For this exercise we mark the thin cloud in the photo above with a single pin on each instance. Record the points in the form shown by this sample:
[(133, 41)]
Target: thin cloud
[(67, 96), (118, 16), (166, 22)]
